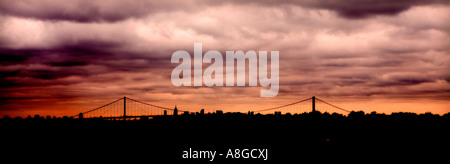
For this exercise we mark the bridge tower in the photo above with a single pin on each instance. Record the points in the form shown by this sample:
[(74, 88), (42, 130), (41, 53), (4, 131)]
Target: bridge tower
[(313, 103), (124, 107)]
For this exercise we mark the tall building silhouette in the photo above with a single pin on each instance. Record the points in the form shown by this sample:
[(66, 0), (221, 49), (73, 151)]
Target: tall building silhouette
[(175, 111)]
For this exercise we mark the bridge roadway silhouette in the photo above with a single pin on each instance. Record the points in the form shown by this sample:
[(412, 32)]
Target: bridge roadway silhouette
[(125, 108)]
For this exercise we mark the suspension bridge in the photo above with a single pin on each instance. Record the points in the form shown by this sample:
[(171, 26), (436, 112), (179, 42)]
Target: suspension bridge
[(125, 108)]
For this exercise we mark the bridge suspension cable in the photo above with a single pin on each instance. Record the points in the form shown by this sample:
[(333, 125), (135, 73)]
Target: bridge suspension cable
[(303, 106), (127, 107), (92, 110), (152, 105), (282, 106), (333, 105)]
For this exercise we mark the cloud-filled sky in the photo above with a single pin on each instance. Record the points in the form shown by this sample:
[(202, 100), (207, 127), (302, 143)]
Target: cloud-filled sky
[(65, 57)]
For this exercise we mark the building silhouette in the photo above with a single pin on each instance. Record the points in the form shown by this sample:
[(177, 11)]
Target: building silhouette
[(175, 111)]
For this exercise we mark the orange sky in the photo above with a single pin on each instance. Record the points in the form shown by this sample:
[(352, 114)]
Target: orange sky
[(70, 107)]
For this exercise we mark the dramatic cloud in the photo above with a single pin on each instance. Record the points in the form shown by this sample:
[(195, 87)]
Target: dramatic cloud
[(366, 8), (118, 10), (68, 54), (81, 10)]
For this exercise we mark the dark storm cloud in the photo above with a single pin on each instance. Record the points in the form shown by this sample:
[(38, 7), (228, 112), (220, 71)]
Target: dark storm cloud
[(64, 53), (68, 63), (116, 10), (403, 78), (354, 9), (8, 57), (350, 62), (83, 58), (76, 10), (365, 8)]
